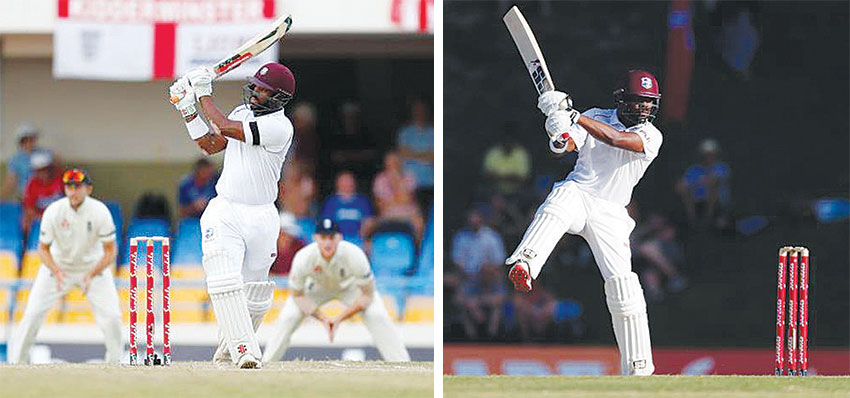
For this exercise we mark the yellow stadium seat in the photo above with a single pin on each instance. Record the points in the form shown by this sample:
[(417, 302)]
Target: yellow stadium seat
[(392, 305), (77, 309), (187, 273), (30, 265), (5, 298), (8, 266), (419, 309)]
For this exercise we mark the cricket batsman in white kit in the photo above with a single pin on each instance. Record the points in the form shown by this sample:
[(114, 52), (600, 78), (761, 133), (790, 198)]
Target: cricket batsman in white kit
[(240, 226), (615, 148), (327, 269), (76, 245)]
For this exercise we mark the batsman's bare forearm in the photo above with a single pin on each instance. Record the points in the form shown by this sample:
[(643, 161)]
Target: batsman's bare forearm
[(107, 259), (360, 304), (226, 127), (611, 136)]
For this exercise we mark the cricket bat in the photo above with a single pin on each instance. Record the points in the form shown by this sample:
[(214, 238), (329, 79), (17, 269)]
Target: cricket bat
[(256, 45), (530, 52)]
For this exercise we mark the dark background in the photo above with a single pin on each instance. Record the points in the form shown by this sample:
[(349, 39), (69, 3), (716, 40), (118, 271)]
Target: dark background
[(783, 132)]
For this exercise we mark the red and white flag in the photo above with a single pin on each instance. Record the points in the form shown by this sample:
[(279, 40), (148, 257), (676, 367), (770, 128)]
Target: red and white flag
[(139, 40), (413, 15)]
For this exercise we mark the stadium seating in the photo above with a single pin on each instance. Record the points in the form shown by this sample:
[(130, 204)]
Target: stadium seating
[(31, 261), (419, 309), (10, 216), (11, 240), (118, 219), (392, 253), (144, 227), (307, 227), (186, 252)]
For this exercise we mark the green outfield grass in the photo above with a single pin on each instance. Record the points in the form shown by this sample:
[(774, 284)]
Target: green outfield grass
[(655, 386), (203, 379)]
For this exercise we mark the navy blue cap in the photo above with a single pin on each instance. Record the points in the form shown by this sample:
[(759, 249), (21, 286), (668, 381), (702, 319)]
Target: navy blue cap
[(326, 226)]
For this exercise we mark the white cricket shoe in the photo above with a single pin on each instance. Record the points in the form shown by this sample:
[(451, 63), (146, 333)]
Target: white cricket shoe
[(248, 361), (222, 355), (520, 276)]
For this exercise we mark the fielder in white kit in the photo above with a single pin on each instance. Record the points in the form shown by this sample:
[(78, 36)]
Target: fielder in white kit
[(76, 244), (327, 269), (615, 148), (240, 226)]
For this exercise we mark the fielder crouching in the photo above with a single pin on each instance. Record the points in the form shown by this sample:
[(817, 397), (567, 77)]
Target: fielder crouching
[(327, 269), (76, 244)]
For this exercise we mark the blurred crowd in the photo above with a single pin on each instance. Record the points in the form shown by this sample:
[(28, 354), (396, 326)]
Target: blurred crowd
[(344, 174)]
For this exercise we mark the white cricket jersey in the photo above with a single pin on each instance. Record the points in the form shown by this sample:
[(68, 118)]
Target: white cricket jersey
[(251, 169), (348, 266), (611, 173), (76, 237)]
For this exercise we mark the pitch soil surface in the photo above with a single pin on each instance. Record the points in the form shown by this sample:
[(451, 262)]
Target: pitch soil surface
[(654, 386), (204, 379)]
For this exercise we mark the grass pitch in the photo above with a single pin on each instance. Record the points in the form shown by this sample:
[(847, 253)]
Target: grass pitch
[(204, 379), (645, 387)]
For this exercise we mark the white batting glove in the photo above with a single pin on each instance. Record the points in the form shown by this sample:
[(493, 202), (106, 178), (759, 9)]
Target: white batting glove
[(182, 97), (559, 123), (552, 101), (201, 81)]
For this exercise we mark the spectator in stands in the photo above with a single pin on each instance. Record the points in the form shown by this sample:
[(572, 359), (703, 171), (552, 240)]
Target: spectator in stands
[(416, 147), (288, 243), (506, 217), (43, 188), (394, 191), (306, 137), (507, 164), (478, 252), (656, 253), (297, 192), (351, 211), (350, 147), (197, 188), (704, 189), (535, 313), (18, 168)]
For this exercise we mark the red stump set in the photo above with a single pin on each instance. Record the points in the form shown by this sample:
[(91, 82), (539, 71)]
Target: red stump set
[(793, 277), (150, 322)]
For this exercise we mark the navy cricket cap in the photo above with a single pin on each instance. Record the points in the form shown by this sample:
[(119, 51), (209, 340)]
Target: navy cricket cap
[(326, 226)]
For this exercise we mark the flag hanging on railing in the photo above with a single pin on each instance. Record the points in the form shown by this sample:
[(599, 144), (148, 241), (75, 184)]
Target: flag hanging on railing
[(139, 40)]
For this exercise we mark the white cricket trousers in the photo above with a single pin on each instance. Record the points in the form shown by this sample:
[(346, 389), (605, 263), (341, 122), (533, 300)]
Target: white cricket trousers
[(102, 297), (384, 332), (605, 226)]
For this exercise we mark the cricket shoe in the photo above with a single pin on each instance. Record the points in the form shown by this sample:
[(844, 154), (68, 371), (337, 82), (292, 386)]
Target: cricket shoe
[(520, 276), (248, 361), (222, 354)]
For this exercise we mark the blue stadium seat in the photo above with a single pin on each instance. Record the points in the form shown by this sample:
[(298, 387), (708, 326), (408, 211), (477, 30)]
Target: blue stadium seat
[(32, 239), (308, 227), (392, 253), (117, 218), (187, 245), (144, 227), (10, 217), (425, 264)]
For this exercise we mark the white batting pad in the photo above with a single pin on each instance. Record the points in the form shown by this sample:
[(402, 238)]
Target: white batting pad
[(230, 306), (259, 296), (631, 325)]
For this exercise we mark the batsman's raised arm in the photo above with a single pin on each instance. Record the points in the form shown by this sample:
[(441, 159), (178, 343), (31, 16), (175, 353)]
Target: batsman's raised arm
[(182, 96)]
